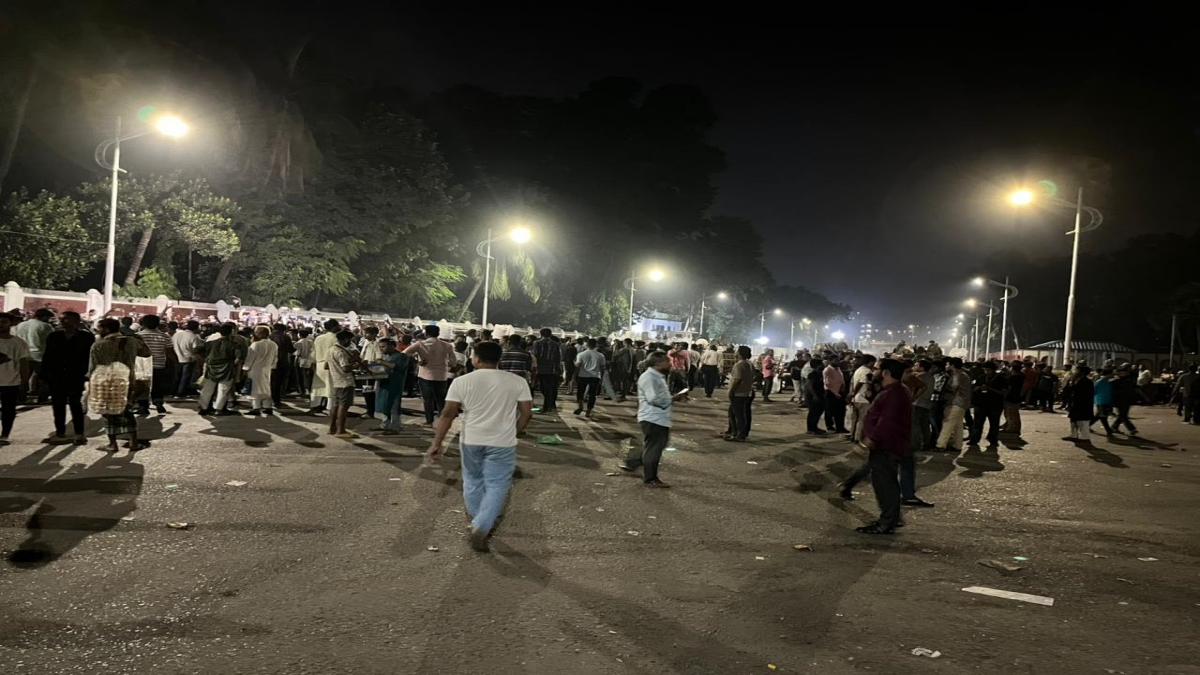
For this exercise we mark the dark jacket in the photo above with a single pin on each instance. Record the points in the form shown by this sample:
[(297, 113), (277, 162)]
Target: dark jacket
[(1083, 392), (1124, 391)]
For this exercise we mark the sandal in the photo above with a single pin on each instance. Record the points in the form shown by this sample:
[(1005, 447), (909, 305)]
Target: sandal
[(875, 528)]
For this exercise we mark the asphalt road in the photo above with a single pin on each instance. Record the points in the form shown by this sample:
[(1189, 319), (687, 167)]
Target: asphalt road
[(323, 561)]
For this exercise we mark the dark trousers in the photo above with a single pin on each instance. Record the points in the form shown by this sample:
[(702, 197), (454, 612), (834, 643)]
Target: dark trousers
[(160, 382), (992, 415), (620, 381), (711, 376), (768, 387), (835, 412), (8, 408), (187, 375), (279, 381), (1123, 418), (1100, 414), (62, 397), (887, 487), (937, 417), (739, 416), (921, 429), (908, 475), (654, 441), (588, 388), (549, 385), (1187, 407), (434, 394), (816, 409)]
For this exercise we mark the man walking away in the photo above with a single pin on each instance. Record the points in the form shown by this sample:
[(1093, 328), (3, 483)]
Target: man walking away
[(741, 393), (835, 405), (710, 369), (958, 399), (1080, 408), (260, 367), (1124, 393), (162, 352), (490, 401), (435, 360), (222, 359), (654, 416), (1013, 399), (989, 393), (64, 368), (186, 343), (569, 351), (514, 359), (887, 433), (342, 364), (34, 332), (589, 365), (549, 356)]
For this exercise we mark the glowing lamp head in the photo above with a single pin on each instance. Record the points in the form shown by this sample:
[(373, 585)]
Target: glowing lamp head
[(778, 311), (761, 340), (722, 295), (172, 126), (1021, 198), (838, 335), (972, 302), (657, 275), (799, 344), (978, 281), (520, 235)]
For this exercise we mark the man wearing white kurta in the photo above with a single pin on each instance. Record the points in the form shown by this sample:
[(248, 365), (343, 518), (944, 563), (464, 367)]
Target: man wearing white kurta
[(261, 358), (320, 386)]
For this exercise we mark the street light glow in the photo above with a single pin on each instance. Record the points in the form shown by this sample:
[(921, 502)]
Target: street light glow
[(761, 340), (778, 311), (520, 235), (972, 302), (172, 126), (722, 295), (1021, 198), (657, 275), (799, 344), (978, 281), (839, 335)]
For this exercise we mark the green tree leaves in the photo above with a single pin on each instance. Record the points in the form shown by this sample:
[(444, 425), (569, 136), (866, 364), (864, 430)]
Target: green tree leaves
[(44, 242)]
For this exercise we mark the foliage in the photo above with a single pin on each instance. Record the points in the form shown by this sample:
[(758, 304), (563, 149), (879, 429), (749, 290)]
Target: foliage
[(46, 243), (152, 282)]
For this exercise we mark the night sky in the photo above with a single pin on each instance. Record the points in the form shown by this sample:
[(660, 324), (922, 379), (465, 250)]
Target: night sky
[(874, 155), (873, 152)]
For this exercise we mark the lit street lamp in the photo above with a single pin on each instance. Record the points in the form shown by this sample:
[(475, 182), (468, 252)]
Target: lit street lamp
[(1026, 197), (1010, 292), (762, 321), (655, 275), (719, 296), (166, 125), (519, 235), (972, 302)]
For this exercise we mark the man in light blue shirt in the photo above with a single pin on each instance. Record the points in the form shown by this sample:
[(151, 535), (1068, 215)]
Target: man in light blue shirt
[(654, 416)]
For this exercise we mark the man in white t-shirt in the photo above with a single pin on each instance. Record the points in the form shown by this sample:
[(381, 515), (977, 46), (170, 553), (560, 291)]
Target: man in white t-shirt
[(14, 374), (860, 391), (496, 405)]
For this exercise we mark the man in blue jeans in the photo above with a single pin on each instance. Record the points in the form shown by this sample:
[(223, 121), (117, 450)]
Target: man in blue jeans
[(496, 405)]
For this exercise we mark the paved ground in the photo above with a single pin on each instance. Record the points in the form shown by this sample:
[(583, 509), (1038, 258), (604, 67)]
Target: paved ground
[(322, 561)]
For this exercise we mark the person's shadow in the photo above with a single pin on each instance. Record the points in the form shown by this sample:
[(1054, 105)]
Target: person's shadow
[(1101, 455), (977, 461), (75, 505)]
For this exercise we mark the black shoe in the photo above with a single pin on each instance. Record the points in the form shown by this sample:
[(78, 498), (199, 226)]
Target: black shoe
[(269, 413), (843, 431), (227, 413), (844, 492), (478, 540), (578, 411), (206, 412), (875, 528), (253, 413), (143, 413), (656, 483), (626, 468), (161, 410), (816, 432), (588, 414), (916, 501)]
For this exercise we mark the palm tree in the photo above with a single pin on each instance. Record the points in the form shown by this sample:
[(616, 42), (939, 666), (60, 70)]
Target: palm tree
[(520, 264)]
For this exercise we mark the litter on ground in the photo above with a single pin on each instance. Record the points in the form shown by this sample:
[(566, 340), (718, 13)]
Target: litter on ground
[(179, 526), (1010, 595), (1148, 559), (236, 483), (432, 548), (802, 547), (931, 653), (999, 565), (552, 439)]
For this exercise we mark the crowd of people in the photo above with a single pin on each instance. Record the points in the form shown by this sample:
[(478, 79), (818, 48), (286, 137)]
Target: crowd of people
[(906, 402)]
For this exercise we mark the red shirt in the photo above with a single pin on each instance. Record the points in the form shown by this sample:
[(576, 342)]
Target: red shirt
[(889, 420)]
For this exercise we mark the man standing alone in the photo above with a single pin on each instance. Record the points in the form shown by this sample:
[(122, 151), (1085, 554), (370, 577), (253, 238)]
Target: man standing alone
[(548, 355), (887, 433), (654, 416), (589, 365), (490, 401)]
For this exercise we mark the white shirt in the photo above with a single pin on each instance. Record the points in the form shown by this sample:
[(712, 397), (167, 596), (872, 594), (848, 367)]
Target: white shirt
[(16, 350), (710, 358), (489, 398), (185, 343), (861, 376), (262, 354), (34, 332)]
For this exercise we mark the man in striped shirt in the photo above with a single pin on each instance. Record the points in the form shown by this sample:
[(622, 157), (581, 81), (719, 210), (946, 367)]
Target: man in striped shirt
[(160, 345)]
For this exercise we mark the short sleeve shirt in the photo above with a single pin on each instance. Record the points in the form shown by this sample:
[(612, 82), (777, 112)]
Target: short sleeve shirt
[(341, 368), (16, 350), (488, 398)]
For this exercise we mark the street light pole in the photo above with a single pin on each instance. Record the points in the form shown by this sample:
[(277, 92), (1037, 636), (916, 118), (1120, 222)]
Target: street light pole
[(1074, 268), (632, 282), (487, 276), (1004, 322), (700, 333), (111, 254)]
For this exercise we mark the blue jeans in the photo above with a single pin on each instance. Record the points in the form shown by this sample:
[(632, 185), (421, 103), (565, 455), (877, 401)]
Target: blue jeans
[(487, 475)]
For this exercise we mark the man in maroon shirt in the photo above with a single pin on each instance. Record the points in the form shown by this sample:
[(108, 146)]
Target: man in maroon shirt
[(887, 433)]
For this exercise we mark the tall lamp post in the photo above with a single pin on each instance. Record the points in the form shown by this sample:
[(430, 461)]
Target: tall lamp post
[(1010, 292), (519, 235), (1027, 197), (166, 125), (719, 296), (762, 321), (654, 275), (972, 302)]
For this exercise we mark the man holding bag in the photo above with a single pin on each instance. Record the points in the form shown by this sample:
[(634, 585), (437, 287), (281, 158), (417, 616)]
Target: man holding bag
[(112, 376)]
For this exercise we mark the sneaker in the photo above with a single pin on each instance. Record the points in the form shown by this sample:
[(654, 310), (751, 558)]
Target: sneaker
[(578, 411), (844, 492), (269, 413), (55, 439), (656, 483), (478, 541)]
